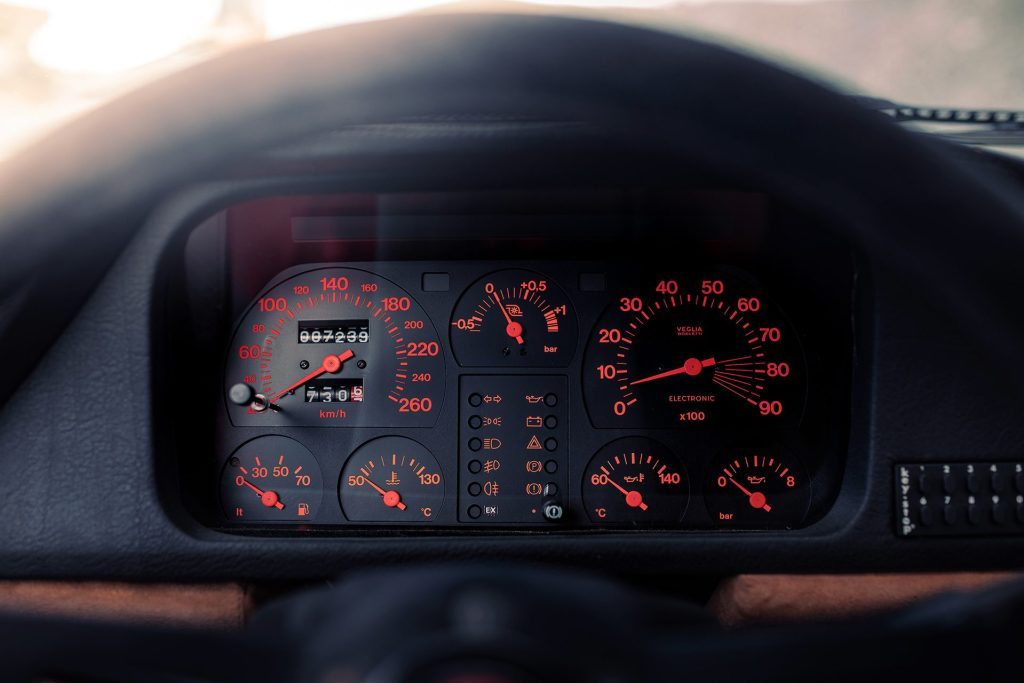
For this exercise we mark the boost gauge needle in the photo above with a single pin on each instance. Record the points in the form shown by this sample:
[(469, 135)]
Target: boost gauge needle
[(331, 364), (512, 328)]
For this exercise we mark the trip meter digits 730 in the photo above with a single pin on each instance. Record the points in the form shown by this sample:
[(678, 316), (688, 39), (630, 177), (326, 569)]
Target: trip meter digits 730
[(335, 347), (690, 351)]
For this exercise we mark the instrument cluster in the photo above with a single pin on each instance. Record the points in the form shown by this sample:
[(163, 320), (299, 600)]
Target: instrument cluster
[(507, 394)]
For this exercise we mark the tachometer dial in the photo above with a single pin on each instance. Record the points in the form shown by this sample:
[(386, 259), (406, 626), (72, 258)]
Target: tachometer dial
[(757, 488), (391, 479), (335, 347), (513, 317), (689, 353), (635, 481), (271, 479)]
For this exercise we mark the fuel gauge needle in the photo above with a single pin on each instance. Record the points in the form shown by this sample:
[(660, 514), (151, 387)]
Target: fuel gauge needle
[(268, 498), (393, 499)]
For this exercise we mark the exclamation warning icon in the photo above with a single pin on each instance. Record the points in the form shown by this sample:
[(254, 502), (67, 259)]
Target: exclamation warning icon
[(534, 444)]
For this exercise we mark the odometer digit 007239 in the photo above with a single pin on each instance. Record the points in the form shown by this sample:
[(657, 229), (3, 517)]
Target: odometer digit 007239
[(689, 352), (335, 347)]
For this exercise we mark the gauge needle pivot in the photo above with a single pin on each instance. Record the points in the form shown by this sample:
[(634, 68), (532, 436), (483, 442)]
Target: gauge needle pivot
[(756, 498), (691, 367), (268, 498), (512, 328), (392, 498), (634, 499), (331, 364)]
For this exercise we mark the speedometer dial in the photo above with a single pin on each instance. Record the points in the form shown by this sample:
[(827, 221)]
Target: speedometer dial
[(335, 347), (689, 352)]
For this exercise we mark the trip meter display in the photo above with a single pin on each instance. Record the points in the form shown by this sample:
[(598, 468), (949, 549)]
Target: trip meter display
[(335, 347), (685, 352)]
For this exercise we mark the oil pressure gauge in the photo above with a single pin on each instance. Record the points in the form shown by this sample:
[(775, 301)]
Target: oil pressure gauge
[(513, 318), (757, 488)]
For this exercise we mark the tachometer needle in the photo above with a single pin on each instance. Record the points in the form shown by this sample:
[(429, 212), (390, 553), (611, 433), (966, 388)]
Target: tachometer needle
[(268, 498), (512, 328), (634, 499), (392, 498), (756, 498), (691, 367), (330, 364)]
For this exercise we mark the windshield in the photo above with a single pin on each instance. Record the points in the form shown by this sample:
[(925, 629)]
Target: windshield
[(59, 58)]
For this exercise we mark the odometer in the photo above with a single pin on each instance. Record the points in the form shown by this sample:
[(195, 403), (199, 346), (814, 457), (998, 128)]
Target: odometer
[(335, 347), (691, 351)]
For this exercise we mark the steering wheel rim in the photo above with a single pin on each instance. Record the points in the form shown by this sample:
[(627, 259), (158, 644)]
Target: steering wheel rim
[(710, 105)]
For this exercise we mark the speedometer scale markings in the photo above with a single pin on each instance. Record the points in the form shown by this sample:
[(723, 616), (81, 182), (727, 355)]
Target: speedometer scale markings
[(335, 347), (669, 358)]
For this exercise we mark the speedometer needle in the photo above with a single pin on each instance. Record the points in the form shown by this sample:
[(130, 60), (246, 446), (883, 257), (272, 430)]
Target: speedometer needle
[(512, 328), (691, 367), (330, 364), (392, 498), (757, 499)]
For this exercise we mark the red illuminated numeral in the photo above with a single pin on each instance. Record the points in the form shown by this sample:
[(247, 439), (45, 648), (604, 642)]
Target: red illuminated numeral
[(271, 304), (423, 348), (464, 324), (712, 287), (356, 480), (667, 287), (534, 285), (251, 352), (421, 377), (599, 479), (609, 336), (429, 479), (302, 480), (369, 287), (627, 304), (414, 324), (415, 405), (301, 290), (778, 369), (249, 379), (334, 284), (722, 482), (259, 472), (619, 408), (281, 470), (790, 481), (751, 305), (670, 478), (396, 303), (771, 334), (767, 408), (259, 328), (606, 371)]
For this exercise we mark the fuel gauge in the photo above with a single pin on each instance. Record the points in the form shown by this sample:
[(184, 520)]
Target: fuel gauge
[(271, 479)]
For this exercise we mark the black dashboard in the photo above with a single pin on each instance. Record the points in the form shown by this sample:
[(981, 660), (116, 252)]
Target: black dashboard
[(510, 361)]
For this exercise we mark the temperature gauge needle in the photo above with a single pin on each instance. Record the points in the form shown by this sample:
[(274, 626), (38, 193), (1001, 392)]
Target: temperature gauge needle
[(330, 364), (268, 498), (691, 367), (512, 328), (757, 499), (393, 499), (634, 499)]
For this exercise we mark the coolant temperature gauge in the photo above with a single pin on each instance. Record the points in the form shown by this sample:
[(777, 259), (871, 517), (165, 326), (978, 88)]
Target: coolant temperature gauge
[(391, 479), (513, 317)]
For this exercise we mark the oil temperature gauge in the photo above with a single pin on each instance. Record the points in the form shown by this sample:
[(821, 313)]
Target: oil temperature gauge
[(635, 481), (391, 479), (758, 489), (513, 317)]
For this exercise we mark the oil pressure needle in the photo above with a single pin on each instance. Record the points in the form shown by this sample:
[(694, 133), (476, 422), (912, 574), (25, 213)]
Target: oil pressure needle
[(757, 499)]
